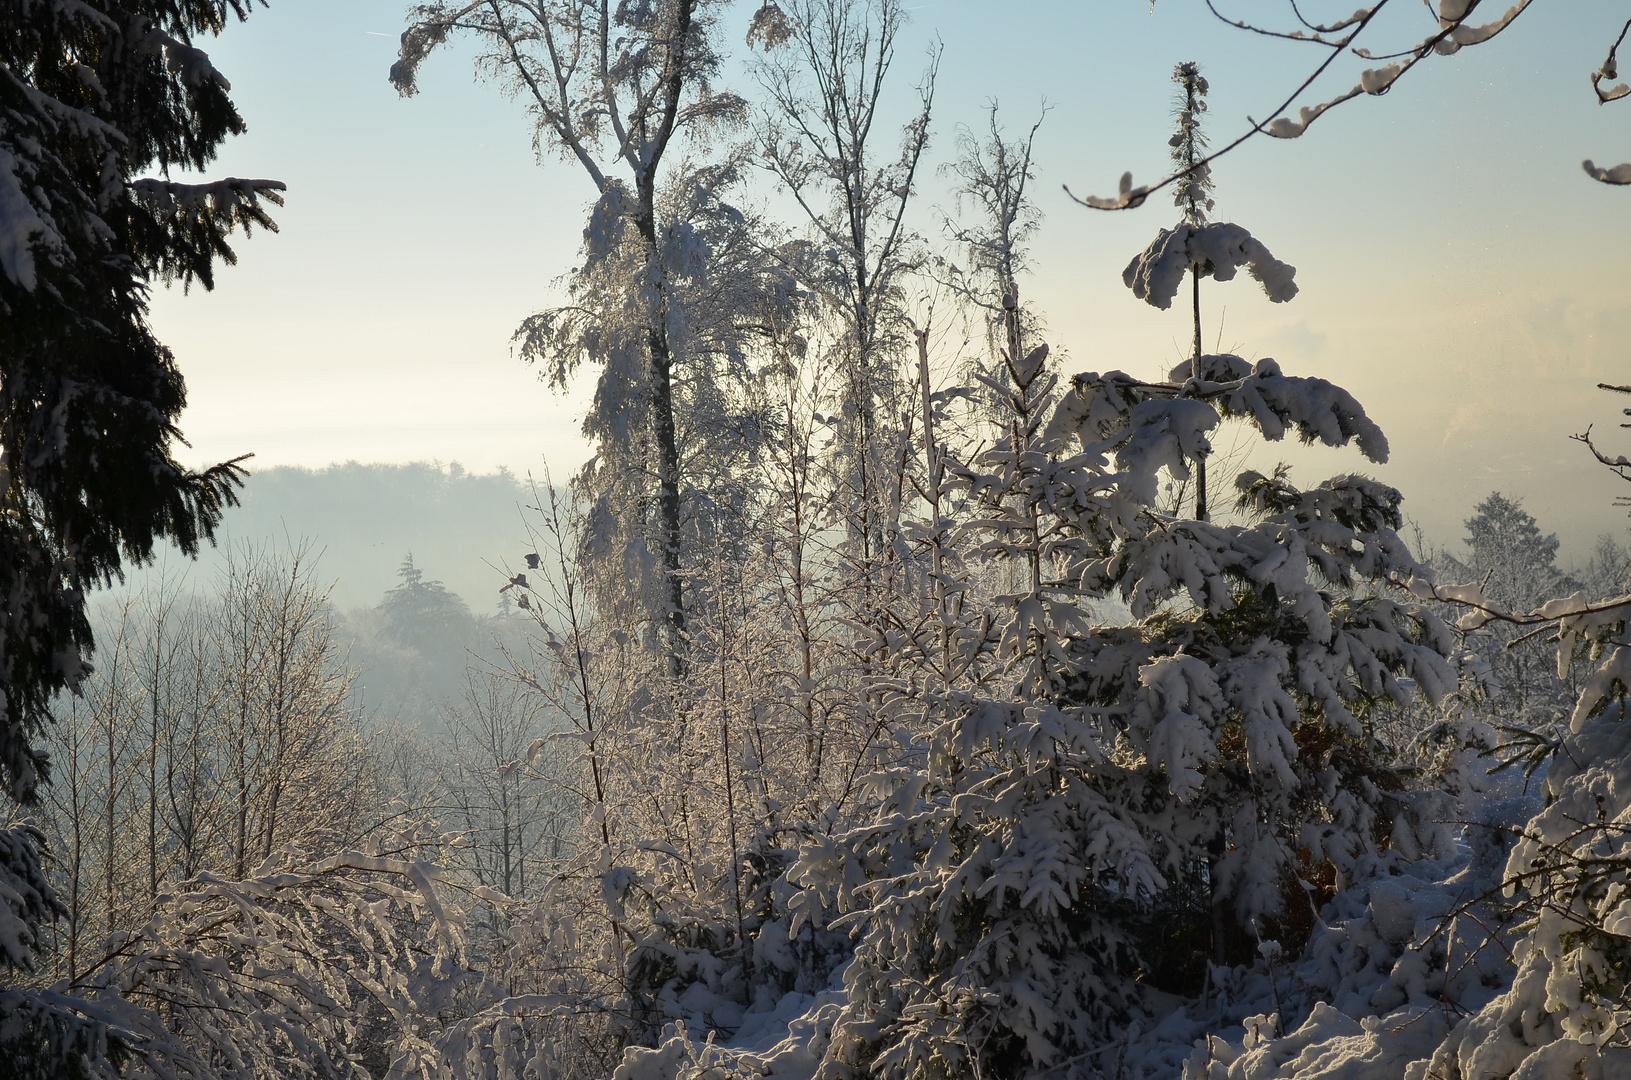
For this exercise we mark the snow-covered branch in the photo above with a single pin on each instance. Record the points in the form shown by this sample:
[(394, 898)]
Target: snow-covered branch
[(1453, 33)]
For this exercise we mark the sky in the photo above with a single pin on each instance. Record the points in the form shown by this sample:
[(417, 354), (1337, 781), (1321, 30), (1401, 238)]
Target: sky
[(1459, 273)]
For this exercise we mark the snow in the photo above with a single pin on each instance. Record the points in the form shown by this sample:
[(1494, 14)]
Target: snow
[(1282, 127), (1127, 196), (1213, 750), (1216, 250), (1465, 35), (1380, 80), (221, 198), (26, 897), (1366, 1000), (1616, 174), (22, 229), (1330, 1046), (1319, 411)]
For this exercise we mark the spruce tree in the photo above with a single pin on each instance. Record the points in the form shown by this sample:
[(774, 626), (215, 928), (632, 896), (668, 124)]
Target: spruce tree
[(92, 96), (1514, 565), (1260, 645), (989, 888), (422, 614), (1074, 803)]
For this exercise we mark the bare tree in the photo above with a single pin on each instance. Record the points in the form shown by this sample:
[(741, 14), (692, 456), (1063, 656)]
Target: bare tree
[(996, 220), (214, 732), (508, 804), (824, 70)]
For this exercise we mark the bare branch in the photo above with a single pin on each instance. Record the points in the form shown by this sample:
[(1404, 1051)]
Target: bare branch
[(1452, 36)]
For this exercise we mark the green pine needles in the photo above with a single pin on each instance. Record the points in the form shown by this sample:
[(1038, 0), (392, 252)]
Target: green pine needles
[(92, 96)]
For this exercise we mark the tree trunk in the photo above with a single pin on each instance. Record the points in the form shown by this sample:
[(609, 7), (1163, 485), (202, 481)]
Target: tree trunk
[(665, 434)]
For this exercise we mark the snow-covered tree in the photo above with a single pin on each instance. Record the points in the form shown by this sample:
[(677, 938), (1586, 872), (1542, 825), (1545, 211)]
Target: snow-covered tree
[(617, 89), (1564, 1011), (1263, 642), (824, 69), (994, 177), (310, 966), (1507, 553), (41, 1040), (984, 888), (1061, 786), (93, 96), (214, 731), (1515, 566)]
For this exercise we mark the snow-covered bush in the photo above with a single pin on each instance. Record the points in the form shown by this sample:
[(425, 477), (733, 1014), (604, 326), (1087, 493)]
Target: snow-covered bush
[(983, 890), (1566, 1010), (44, 1036), (326, 967)]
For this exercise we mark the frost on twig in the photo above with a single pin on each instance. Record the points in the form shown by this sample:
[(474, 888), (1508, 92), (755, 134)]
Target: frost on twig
[(1450, 34), (1611, 70), (1616, 174), (1126, 198), (769, 28), (1217, 251)]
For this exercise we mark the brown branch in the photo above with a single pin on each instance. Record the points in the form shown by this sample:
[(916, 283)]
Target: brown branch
[(1135, 197), (1610, 70), (1285, 35), (1620, 466)]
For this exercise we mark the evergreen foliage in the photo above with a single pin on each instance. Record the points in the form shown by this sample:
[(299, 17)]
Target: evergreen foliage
[(43, 1036), (924, 740), (986, 885), (1073, 802), (1192, 191), (1514, 565), (423, 614), (93, 95)]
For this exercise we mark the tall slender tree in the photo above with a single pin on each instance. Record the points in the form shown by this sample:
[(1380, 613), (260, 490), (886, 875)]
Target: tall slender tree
[(825, 71), (994, 177), (1193, 196), (1198, 246), (614, 88)]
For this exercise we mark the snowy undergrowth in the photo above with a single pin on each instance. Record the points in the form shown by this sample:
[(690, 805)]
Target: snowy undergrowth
[(1548, 1003), (1400, 977)]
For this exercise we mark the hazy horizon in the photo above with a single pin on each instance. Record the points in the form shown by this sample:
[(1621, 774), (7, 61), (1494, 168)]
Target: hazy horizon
[(359, 520), (419, 232)]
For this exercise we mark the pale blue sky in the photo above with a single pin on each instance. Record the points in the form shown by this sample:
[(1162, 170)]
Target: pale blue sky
[(1460, 274)]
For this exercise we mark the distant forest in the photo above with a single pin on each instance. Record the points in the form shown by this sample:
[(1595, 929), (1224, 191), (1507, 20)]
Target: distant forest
[(364, 520), (409, 557)]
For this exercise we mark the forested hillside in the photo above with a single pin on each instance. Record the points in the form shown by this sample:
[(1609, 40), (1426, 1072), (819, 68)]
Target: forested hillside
[(361, 521)]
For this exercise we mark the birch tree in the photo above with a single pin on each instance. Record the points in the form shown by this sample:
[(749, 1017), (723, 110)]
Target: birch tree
[(825, 70), (615, 89)]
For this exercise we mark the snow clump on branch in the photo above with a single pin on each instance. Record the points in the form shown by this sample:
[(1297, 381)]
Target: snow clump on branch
[(1217, 251)]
